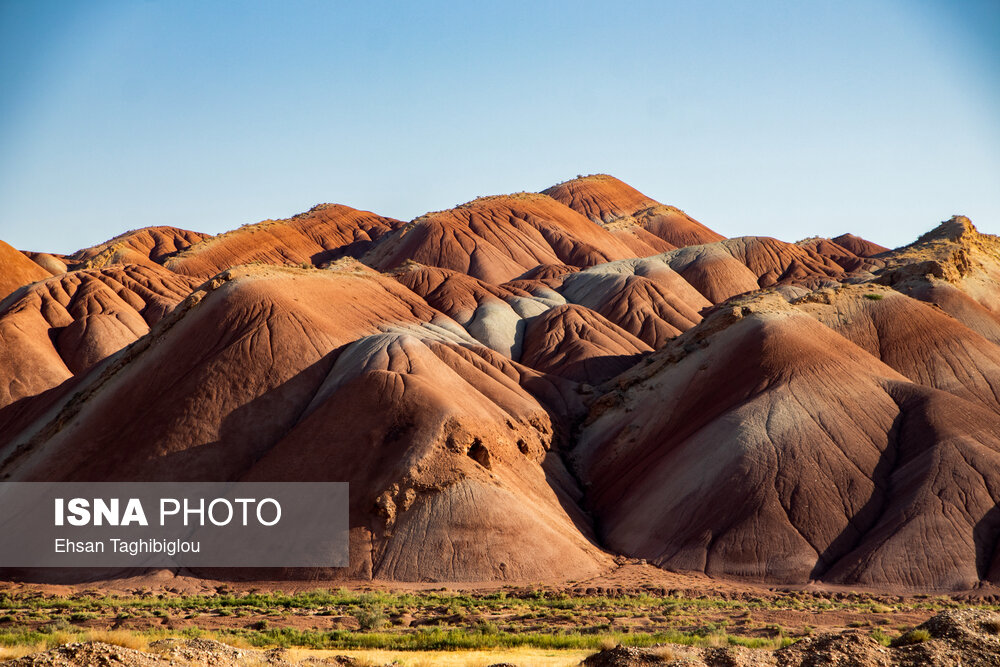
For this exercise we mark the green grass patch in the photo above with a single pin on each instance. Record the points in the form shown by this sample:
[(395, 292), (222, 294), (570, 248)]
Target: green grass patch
[(438, 639)]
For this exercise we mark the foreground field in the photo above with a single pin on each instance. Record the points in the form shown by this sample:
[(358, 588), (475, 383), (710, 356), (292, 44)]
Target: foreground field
[(567, 625), (968, 637)]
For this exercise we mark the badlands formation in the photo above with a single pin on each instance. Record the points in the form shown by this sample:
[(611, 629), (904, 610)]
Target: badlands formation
[(530, 387)]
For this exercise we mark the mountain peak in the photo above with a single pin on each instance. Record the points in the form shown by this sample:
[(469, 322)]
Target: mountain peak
[(953, 229)]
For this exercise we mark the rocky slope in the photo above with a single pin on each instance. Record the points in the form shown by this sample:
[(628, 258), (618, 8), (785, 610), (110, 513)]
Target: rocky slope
[(970, 638), (537, 383)]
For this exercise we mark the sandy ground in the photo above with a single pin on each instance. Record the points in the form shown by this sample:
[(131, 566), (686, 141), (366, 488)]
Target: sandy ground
[(523, 657)]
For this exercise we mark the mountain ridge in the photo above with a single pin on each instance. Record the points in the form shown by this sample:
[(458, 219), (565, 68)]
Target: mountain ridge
[(744, 408)]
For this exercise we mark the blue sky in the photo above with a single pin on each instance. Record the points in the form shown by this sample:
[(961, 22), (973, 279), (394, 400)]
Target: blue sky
[(788, 119)]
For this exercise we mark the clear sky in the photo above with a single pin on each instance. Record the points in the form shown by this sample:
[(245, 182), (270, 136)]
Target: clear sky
[(788, 119)]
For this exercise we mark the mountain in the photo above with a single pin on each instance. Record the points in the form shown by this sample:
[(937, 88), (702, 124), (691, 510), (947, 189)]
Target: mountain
[(324, 233), (537, 384), (147, 246), (496, 239), (631, 215), (773, 449), (16, 269), (858, 245), (62, 326)]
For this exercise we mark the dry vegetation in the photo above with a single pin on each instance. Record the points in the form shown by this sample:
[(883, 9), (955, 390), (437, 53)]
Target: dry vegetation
[(506, 620)]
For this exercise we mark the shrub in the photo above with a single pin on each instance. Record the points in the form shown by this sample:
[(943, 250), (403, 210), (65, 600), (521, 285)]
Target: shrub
[(370, 617), (874, 297), (79, 616), (60, 625), (880, 636), (912, 637), (775, 630), (487, 628)]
